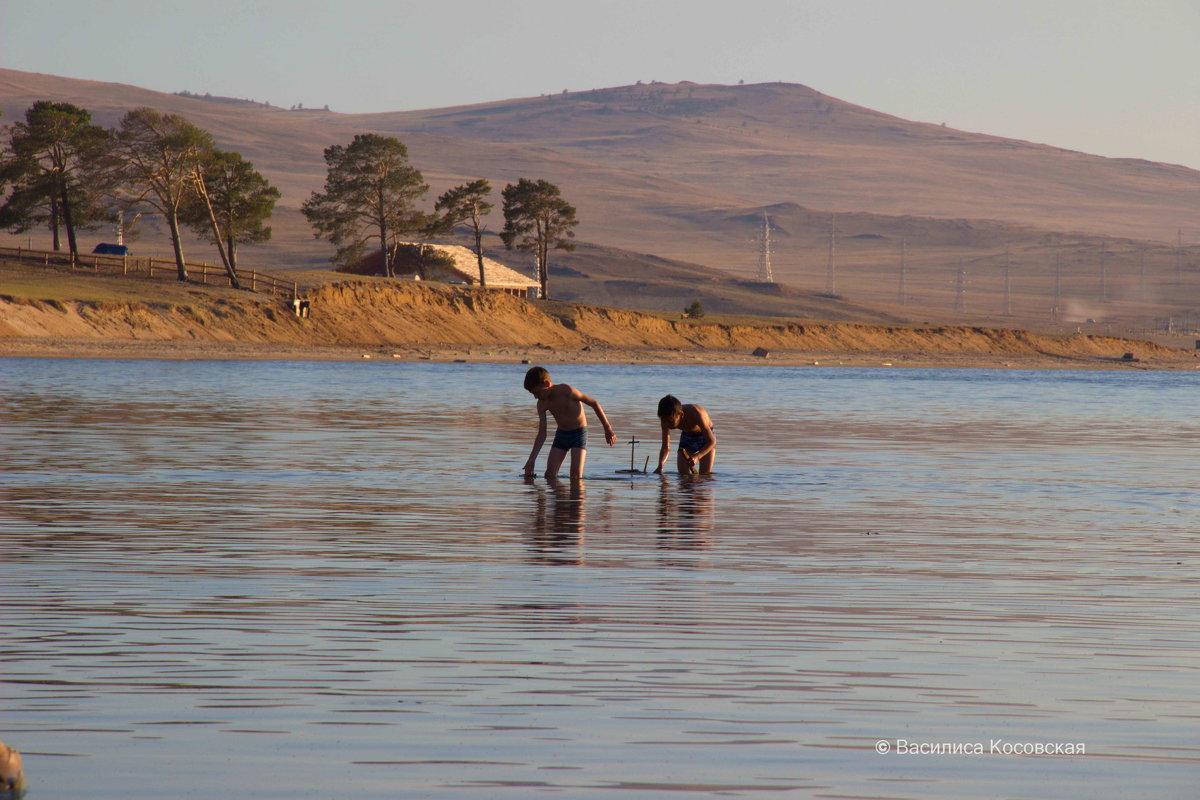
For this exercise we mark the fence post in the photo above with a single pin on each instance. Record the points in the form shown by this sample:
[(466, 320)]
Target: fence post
[(253, 281)]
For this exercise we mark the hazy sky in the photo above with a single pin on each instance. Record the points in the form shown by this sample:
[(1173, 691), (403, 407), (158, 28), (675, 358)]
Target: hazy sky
[(1112, 77)]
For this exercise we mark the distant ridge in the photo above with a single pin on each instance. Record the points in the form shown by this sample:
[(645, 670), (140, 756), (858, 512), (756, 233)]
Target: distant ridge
[(680, 170), (231, 101)]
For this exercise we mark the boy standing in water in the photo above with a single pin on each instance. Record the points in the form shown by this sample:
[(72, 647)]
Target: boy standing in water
[(565, 404), (697, 442)]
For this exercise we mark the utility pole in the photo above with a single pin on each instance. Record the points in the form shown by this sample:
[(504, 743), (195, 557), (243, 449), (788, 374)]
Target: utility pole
[(1142, 277), (831, 268), (960, 290), (1179, 255), (1056, 309), (1103, 275), (1007, 284), (902, 290), (764, 253)]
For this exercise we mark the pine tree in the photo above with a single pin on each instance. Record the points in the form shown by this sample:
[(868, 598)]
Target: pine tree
[(466, 203), (537, 218), (370, 190)]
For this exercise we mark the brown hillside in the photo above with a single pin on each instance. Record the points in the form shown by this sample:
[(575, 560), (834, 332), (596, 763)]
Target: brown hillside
[(685, 171)]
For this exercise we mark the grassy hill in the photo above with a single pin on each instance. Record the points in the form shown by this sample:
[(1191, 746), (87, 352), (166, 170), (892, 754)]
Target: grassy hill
[(927, 222)]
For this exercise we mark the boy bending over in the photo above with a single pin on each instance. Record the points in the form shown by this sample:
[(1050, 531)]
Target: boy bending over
[(565, 403), (697, 442)]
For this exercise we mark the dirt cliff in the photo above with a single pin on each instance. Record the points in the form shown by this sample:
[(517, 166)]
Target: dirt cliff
[(409, 314)]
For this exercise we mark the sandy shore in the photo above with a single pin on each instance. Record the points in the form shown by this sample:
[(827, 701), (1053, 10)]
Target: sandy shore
[(178, 349)]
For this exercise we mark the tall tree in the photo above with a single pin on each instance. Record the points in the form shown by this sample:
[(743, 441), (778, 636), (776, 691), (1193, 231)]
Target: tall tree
[(232, 201), (30, 200), (466, 204), (370, 189), (51, 169), (157, 157), (536, 218)]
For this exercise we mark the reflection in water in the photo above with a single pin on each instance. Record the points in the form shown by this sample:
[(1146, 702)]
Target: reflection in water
[(242, 565), (557, 534), (685, 512)]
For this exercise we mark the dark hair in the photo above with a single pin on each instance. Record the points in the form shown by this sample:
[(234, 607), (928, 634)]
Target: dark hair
[(669, 406), (535, 377)]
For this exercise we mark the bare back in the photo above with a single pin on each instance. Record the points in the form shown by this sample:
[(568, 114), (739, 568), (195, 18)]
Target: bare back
[(565, 405), (695, 419)]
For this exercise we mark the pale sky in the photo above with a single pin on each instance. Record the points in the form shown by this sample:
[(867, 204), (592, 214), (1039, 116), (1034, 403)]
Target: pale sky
[(1110, 77)]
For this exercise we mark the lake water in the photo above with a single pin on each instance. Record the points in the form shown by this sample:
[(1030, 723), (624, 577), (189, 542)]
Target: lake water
[(286, 580)]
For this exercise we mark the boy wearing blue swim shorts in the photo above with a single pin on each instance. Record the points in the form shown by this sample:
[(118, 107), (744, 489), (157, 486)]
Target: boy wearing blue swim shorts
[(565, 403), (697, 442)]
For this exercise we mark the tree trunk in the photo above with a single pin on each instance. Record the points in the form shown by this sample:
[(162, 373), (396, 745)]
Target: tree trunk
[(479, 253), (69, 223), (543, 272), (177, 244), (389, 254), (543, 245), (388, 259), (232, 255), (54, 216), (421, 262), (216, 230)]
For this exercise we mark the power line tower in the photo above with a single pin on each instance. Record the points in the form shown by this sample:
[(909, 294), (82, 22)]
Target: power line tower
[(1103, 275), (960, 290), (1179, 254), (1142, 276), (1007, 284), (831, 267), (764, 253), (902, 288), (1056, 309)]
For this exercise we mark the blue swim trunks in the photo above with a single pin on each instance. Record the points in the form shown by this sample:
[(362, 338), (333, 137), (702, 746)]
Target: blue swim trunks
[(569, 440), (692, 442)]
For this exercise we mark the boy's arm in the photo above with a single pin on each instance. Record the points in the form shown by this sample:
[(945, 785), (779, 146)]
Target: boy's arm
[(538, 441), (704, 423), (706, 429), (609, 435), (665, 450)]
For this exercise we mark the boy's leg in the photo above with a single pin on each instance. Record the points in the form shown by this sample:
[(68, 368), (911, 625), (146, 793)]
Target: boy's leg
[(578, 456), (684, 462), (706, 463), (554, 461)]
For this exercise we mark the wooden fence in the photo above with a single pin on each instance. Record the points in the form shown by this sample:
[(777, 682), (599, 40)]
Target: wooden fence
[(200, 272)]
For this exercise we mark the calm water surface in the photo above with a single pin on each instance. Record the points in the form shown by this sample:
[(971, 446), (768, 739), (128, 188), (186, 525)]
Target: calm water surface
[(282, 580)]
